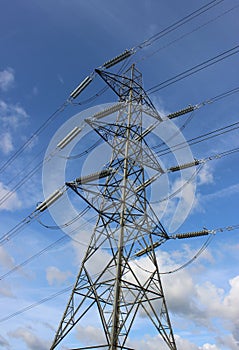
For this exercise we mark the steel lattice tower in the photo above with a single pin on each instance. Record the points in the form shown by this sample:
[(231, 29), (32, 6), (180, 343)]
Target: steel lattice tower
[(126, 223)]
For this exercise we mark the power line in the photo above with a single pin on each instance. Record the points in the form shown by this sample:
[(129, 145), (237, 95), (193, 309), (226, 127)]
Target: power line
[(178, 24), (163, 33), (218, 58), (192, 141), (147, 42), (187, 33), (201, 163), (53, 296), (199, 252), (38, 254), (50, 246), (62, 291), (33, 136), (200, 138), (37, 167), (83, 212)]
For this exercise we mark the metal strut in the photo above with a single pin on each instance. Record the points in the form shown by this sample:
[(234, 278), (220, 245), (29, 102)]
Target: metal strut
[(126, 223)]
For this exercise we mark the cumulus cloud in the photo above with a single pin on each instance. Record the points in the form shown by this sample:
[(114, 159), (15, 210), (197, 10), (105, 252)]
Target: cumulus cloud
[(6, 79), (32, 341), (54, 275), (201, 306)]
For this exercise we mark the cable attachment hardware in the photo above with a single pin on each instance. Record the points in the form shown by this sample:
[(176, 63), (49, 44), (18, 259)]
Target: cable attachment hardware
[(81, 87), (191, 234), (50, 200), (181, 112), (117, 59), (184, 166)]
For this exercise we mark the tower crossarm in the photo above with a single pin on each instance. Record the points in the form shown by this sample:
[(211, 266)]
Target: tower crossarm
[(123, 85), (173, 115)]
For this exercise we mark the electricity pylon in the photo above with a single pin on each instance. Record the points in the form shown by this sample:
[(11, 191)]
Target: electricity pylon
[(126, 224)]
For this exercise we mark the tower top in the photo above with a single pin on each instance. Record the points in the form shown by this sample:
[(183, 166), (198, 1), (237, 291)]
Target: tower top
[(127, 84)]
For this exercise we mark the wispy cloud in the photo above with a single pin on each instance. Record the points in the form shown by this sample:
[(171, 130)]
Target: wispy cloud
[(6, 290), (55, 275), (12, 115), (5, 259), (7, 79), (12, 201), (6, 143), (12, 118)]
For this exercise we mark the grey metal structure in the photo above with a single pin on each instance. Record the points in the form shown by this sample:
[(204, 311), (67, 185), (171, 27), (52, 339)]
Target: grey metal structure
[(126, 223)]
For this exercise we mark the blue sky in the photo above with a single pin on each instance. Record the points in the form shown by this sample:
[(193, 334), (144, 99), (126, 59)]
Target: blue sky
[(47, 48)]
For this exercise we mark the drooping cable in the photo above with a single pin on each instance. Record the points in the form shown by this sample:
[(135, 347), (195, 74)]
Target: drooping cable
[(77, 156), (201, 163), (19, 312), (53, 296), (68, 223), (32, 257), (178, 190), (68, 236), (199, 252), (33, 216)]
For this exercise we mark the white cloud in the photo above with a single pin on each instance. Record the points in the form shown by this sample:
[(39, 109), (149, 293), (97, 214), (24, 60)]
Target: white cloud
[(225, 192), (6, 79), (205, 175), (228, 342), (12, 115), (5, 259), (53, 274), (181, 201), (9, 199), (155, 342), (231, 301), (32, 341), (202, 305), (209, 347), (6, 144), (184, 344), (90, 335)]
